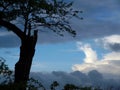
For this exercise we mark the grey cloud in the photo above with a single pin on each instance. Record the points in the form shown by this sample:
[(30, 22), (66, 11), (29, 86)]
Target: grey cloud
[(96, 30), (114, 47), (9, 41), (93, 78), (110, 42), (115, 62), (101, 18)]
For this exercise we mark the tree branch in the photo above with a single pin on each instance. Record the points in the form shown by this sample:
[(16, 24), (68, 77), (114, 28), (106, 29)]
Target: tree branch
[(13, 28)]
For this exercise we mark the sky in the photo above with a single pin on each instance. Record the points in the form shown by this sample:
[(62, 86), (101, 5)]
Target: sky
[(95, 47)]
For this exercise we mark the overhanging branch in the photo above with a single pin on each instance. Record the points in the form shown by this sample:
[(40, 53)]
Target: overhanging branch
[(13, 28)]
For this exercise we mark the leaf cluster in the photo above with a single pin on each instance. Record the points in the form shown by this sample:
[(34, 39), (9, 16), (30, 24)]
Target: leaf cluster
[(52, 14), (34, 84), (5, 72)]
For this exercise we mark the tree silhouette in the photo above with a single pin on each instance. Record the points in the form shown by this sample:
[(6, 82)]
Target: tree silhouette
[(5, 73), (53, 85), (52, 14), (70, 87)]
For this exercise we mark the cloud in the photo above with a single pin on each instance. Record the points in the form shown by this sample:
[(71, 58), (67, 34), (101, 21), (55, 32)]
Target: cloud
[(9, 41), (108, 64), (4, 33), (112, 56), (107, 68), (110, 42), (90, 54), (93, 78), (100, 19)]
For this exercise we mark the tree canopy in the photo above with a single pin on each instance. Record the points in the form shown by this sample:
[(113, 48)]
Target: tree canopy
[(52, 14)]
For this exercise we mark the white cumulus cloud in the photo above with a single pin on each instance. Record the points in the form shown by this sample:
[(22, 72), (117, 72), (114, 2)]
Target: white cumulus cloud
[(109, 62), (91, 55)]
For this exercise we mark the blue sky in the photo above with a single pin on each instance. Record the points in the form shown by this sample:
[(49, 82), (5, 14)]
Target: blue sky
[(96, 46)]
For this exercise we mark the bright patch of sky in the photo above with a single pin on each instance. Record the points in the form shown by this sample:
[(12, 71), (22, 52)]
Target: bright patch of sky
[(57, 57)]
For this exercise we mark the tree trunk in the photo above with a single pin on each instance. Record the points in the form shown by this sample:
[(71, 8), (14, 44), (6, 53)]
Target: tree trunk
[(27, 50), (23, 66)]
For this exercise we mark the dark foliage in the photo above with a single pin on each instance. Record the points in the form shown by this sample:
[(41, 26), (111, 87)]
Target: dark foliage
[(54, 85), (52, 14)]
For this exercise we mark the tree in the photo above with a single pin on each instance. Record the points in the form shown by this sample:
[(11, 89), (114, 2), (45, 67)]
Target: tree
[(52, 14), (53, 85), (5, 73), (71, 87)]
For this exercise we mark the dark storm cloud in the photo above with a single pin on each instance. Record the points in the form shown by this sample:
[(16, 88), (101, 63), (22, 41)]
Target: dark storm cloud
[(101, 18), (115, 47)]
